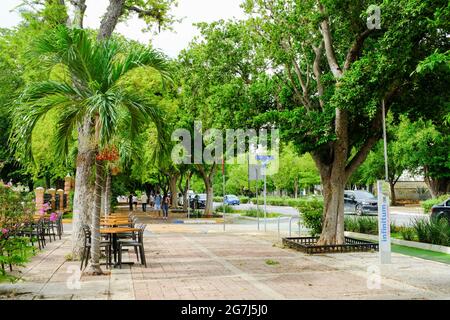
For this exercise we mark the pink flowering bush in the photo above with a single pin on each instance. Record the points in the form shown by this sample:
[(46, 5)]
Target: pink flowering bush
[(53, 216), (15, 210)]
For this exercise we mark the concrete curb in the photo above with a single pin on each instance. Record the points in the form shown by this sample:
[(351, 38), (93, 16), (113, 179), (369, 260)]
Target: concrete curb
[(411, 244)]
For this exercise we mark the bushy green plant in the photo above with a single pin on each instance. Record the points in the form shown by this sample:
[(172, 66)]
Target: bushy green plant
[(253, 213), (311, 212), (434, 232), (367, 225), (283, 201), (408, 234), (244, 199), (428, 204), (228, 209)]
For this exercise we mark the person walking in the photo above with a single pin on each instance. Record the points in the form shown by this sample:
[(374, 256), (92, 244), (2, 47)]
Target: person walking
[(144, 200), (165, 206), (152, 200), (158, 201), (135, 202), (130, 201)]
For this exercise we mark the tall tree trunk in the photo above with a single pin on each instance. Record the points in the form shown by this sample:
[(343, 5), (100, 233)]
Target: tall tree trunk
[(393, 195), (94, 266), (84, 190), (83, 196), (107, 193), (173, 189), (209, 198), (185, 191), (296, 189), (437, 187), (208, 181), (110, 19)]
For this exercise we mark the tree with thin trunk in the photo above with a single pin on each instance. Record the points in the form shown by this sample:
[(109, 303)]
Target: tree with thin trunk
[(97, 93)]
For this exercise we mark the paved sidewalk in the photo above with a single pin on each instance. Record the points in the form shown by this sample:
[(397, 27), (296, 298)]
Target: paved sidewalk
[(201, 262)]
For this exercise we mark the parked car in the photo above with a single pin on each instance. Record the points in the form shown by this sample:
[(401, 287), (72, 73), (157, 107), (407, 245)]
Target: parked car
[(360, 202), (198, 201), (441, 211), (231, 200)]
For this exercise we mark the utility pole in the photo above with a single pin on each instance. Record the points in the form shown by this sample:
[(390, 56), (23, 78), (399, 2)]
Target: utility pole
[(386, 165)]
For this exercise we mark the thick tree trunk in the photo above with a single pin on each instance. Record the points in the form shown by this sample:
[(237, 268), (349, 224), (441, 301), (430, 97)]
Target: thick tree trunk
[(83, 196), (94, 266), (334, 177), (333, 211), (110, 19)]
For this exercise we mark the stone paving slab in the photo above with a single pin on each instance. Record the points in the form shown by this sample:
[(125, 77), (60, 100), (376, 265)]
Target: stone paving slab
[(198, 262)]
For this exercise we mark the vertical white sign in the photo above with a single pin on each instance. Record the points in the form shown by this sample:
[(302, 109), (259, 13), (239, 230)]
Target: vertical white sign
[(384, 224)]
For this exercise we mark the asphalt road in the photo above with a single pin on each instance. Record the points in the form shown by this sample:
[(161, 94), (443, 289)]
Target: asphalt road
[(400, 216)]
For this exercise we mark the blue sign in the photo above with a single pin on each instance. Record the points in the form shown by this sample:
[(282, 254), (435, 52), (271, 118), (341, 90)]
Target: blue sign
[(264, 158)]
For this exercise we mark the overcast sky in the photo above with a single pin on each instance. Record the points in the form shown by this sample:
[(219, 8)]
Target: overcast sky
[(170, 42)]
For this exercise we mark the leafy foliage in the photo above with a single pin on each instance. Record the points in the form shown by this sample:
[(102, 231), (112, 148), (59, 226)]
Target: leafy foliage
[(428, 204), (311, 212)]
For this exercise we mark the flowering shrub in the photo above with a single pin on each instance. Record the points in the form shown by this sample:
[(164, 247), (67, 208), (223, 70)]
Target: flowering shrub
[(15, 210)]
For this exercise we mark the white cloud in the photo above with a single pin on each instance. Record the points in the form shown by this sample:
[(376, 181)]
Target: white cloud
[(169, 42)]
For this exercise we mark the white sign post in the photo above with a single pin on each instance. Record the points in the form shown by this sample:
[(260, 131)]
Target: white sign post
[(384, 224), (265, 161)]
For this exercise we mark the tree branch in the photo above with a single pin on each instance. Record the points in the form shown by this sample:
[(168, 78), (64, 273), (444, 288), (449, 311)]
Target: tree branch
[(110, 19), (155, 13), (376, 126), (318, 72), (355, 51), (329, 49)]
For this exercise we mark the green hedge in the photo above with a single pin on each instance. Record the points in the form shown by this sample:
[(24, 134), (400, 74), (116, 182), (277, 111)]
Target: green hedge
[(426, 205), (242, 199), (282, 201)]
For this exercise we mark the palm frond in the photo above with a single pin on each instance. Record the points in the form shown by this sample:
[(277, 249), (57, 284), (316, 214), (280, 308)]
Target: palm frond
[(68, 119), (31, 106), (141, 112), (141, 57)]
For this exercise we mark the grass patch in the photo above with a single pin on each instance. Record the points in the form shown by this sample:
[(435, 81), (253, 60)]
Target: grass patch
[(255, 213), (421, 253), (271, 262)]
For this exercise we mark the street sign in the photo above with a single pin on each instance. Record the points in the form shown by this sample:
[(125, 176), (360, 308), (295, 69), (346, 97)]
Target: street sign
[(264, 158), (254, 172), (384, 223)]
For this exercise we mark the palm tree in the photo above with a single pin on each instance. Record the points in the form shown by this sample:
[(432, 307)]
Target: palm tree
[(91, 88)]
